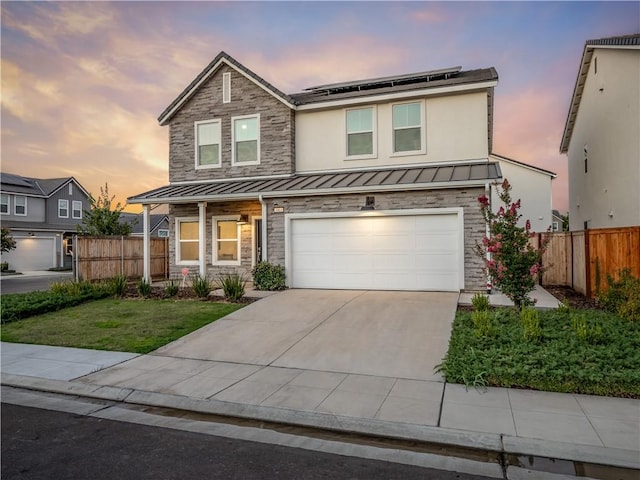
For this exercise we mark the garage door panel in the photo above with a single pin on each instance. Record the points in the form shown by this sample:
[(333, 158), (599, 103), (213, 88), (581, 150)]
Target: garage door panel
[(32, 254), (400, 252)]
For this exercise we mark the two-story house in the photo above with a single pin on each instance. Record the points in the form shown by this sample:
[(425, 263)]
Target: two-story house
[(42, 215), (602, 136), (371, 184)]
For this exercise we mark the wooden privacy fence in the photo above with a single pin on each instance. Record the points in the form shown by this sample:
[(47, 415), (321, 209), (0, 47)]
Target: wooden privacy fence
[(582, 260), (98, 258)]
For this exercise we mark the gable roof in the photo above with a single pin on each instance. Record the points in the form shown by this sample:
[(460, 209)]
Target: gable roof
[(524, 165), (35, 187), (453, 78), (624, 41), (136, 221), (372, 180), (221, 59)]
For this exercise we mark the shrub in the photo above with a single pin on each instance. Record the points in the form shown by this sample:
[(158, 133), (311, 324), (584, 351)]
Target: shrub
[(590, 333), (622, 296), (531, 324), (4, 266), (267, 276), (62, 295), (201, 285), (564, 309), (144, 288), (515, 264), (233, 286), (480, 302), (482, 323), (118, 285), (171, 287)]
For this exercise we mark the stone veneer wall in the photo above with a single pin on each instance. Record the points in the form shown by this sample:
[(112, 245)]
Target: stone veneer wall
[(253, 209), (276, 130), (474, 227)]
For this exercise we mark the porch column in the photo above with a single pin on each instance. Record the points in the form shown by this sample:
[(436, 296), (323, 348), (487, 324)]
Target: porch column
[(146, 244), (202, 221)]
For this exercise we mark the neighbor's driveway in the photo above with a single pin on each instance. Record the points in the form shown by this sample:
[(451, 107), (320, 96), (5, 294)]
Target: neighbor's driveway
[(391, 334)]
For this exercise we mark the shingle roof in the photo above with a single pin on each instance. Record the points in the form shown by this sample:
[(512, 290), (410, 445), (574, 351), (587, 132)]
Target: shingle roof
[(407, 178), (401, 83), (623, 41), (38, 187), (347, 90), (137, 224)]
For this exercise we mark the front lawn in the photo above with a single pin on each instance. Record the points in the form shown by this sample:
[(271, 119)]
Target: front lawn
[(138, 326), (588, 351)]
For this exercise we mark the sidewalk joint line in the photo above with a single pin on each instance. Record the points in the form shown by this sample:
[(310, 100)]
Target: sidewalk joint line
[(441, 403)]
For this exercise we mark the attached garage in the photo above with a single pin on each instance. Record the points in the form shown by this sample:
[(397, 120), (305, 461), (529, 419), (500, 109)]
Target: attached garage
[(32, 254), (380, 250)]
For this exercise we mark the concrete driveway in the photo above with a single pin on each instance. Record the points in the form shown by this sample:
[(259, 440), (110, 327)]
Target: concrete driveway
[(392, 334)]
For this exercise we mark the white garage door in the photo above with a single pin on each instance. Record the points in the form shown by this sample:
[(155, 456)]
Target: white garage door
[(31, 254), (386, 252)]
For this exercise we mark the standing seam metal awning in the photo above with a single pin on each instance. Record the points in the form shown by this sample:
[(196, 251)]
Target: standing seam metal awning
[(329, 183)]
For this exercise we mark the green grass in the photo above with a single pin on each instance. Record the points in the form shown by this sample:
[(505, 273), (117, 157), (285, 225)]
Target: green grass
[(138, 326), (562, 359)]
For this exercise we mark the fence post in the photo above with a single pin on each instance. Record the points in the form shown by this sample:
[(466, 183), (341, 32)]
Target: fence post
[(587, 263), (121, 254), (75, 257)]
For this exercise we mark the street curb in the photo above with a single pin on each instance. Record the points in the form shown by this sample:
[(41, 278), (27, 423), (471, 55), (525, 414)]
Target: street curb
[(518, 452)]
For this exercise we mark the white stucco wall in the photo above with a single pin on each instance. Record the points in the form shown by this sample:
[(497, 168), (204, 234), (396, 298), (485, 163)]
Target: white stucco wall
[(533, 188), (456, 129), (608, 123)]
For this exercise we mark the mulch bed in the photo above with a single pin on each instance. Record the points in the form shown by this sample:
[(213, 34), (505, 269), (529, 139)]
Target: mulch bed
[(570, 296), (158, 293)]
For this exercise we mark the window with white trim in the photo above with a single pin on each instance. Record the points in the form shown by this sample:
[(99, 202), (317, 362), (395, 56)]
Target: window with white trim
[(407, 127), (20, 205), (226, 240), (361, 135), (4, 204), (187, 241), (63, 208), (76, 209), (207, 144), (246, 140)]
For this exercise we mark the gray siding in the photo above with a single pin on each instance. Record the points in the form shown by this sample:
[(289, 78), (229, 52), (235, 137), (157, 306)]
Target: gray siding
[(63, 193), (35, 209), (276, 130)]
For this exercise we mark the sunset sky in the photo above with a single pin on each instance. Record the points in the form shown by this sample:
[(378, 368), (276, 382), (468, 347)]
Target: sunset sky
[(84, 83)]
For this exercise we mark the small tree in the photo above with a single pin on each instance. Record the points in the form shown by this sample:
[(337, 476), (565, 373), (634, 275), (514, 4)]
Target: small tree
[(103, 218), (514, 265), (8, 243)]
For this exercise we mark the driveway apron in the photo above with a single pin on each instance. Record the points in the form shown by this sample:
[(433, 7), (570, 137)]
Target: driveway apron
[(392, 334)]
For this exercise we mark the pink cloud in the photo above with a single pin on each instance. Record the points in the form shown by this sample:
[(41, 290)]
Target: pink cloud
[(429, 15)]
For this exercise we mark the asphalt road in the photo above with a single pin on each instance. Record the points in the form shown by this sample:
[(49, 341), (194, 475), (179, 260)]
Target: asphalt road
[(42, 444), (21, 284)]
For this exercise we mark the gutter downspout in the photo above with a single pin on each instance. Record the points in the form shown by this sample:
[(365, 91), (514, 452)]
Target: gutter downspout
[(487, 232), (264, 228)]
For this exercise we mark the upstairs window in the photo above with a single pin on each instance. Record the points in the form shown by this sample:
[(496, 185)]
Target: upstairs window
[(63, 208), (187, 241), (208, 144), (407, 127), (76, 210), (4, 204), (246, 140), (360, 132), (20, 205)]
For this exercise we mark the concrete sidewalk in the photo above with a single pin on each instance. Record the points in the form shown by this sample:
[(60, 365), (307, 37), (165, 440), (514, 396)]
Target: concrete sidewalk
[(590, 430)]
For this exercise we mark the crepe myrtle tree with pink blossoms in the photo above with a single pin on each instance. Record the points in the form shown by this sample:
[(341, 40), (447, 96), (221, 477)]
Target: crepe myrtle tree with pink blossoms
[(511, 262)]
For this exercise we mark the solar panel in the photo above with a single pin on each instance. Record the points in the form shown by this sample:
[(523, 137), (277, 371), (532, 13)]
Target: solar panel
[(9, 179)]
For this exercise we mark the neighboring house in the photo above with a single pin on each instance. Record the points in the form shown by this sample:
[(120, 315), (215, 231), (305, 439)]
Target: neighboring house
[(369, 184), (42, 215), (532, 186), (158, 224), (602, 136), (557, 221)]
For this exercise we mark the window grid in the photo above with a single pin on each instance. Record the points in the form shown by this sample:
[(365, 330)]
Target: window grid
[(63, 208), (360, 132), (245, 132), (4, 204), (187, 249), (20, 206), (407, 127), (76, 211), (226, 241), (207, 144)]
